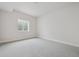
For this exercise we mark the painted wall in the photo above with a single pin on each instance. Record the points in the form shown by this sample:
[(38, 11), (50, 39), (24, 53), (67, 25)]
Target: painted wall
[(8, 26), (61, 25)]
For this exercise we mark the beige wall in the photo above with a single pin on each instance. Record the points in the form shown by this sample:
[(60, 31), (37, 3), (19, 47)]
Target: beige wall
[(8, 26)]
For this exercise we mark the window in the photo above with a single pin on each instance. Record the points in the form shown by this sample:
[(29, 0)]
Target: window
[(23, 25)]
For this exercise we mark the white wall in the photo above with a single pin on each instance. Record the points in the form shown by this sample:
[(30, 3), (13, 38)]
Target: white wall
[(8, 26), (61, 25)]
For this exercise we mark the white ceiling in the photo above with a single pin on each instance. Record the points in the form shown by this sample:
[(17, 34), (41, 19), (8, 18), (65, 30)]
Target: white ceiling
[(33, 8)]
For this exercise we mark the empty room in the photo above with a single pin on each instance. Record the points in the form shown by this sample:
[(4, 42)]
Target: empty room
[(39, 29)]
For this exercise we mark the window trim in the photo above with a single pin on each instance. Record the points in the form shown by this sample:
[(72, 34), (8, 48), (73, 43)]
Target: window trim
[(28, 26)]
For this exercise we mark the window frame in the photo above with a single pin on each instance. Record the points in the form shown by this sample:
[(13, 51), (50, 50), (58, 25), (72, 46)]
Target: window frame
[(22, 26)]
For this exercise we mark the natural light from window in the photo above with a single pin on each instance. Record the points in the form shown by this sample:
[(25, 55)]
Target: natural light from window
[(23, 25)]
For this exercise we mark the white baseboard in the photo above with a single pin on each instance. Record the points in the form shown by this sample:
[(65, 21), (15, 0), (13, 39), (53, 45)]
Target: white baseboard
[(14, 40), (59, 41)]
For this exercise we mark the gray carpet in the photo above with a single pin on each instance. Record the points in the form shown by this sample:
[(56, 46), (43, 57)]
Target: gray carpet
[(37, 48)]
